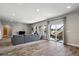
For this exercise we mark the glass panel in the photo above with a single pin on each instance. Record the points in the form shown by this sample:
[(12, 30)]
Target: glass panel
[(56, 31)]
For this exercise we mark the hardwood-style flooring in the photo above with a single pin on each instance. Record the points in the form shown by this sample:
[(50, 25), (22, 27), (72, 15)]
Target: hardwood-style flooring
[(5, 42), (40, 48)]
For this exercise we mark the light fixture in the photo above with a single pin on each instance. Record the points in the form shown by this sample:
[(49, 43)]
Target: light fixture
[(37, 10), (68, 7)]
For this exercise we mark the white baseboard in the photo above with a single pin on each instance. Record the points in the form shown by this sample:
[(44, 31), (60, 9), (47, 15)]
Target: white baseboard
[(72, 44)]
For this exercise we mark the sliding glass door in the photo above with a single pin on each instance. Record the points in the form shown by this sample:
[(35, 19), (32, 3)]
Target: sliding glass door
[(56, 30)]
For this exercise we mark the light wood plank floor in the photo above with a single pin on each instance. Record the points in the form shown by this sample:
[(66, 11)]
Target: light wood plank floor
[(40, 48)]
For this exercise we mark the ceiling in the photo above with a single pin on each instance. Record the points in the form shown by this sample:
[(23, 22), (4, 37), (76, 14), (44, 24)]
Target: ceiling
[(34, 12)]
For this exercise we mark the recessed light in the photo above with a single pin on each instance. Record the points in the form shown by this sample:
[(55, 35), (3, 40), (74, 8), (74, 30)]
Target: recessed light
[(68, 7), (37, 10)]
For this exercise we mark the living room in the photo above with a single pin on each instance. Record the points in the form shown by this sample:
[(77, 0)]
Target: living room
[(22, 27)]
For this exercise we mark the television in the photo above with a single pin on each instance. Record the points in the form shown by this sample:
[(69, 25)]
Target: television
[(21, 32)]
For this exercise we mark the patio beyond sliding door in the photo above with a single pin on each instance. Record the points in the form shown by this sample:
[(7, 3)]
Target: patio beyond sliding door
[(57, 30)]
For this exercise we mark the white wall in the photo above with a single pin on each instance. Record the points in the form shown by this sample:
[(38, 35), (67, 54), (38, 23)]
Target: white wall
[(72, 29), (20, 27)]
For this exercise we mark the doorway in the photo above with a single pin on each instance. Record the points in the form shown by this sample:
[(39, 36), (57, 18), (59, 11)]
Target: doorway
[(6, 31), (57, 31)]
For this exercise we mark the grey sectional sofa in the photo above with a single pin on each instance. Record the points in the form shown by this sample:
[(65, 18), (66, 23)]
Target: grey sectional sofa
[(20, 39)]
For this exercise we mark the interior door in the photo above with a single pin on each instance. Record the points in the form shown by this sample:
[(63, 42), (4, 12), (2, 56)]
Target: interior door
[(6, 30)]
